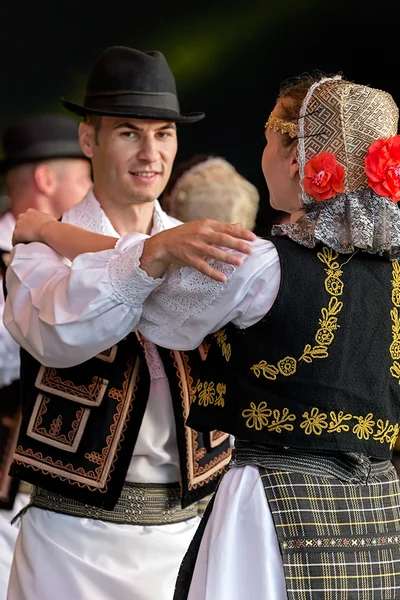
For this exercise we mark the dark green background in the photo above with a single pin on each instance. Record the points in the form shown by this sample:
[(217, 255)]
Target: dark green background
[(228, 58)]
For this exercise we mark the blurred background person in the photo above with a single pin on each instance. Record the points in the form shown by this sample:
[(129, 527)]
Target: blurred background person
[(43, 167), (209, 187)]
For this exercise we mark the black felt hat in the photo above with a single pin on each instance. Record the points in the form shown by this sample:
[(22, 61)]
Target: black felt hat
[(40, 137), (129, 83)]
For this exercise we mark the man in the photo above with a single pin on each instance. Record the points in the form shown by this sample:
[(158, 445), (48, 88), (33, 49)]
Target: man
[(106, 441), (44, 168)]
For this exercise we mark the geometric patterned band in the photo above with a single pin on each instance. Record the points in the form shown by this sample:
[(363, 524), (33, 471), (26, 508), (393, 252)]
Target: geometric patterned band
[(139, 504)]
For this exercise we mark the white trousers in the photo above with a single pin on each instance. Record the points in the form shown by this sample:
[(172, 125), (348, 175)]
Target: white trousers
[(58, 557)]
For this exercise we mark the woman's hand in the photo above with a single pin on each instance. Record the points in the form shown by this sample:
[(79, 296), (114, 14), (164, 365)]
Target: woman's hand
[(30, 226)]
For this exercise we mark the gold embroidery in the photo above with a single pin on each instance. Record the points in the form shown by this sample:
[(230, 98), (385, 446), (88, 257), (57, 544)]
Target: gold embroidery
[(337, 424), (394, 314), (258, 417), (198, 475), (364, 427), (206, 393), (221, 341), (314, 423), (387, 433), (328, 323)]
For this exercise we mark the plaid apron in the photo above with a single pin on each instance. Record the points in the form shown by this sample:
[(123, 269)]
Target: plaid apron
[(337, 521)]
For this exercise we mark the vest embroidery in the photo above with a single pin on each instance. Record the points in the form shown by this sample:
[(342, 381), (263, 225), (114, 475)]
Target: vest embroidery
[(328, 324), (394, 314), (226, 349)]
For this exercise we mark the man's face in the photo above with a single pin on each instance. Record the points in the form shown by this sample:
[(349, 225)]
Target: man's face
[(73, 179), (132, 158)]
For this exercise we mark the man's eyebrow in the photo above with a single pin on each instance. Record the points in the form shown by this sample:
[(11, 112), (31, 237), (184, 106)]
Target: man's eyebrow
[(127, 125)]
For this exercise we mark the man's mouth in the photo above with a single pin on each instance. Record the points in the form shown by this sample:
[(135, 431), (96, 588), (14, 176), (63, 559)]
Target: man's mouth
[(145, 175)]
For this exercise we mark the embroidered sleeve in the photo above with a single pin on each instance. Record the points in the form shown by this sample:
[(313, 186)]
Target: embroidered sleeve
[(131, 285), (187, 305)]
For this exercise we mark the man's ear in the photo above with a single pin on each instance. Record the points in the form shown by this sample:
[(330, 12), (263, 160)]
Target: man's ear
[(293, 161), (87, 138), (45, 179)]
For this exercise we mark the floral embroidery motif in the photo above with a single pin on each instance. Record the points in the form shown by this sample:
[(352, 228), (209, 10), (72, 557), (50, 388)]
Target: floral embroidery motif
[(364, 427), (314, 422), (328, 323), (258, 417), (209, 394), (387, 433), (221, 341), (394, 314)]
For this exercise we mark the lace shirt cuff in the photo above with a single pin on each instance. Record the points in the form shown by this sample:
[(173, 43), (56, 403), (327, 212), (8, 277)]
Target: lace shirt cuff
[(131, 285)]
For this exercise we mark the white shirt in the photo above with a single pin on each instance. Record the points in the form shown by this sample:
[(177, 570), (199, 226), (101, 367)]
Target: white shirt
[(9, 350)]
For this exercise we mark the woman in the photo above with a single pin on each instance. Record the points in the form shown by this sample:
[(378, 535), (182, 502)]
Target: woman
[(305, 360)]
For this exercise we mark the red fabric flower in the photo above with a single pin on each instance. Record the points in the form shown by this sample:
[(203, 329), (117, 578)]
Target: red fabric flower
[(323, 177), (382, 166)]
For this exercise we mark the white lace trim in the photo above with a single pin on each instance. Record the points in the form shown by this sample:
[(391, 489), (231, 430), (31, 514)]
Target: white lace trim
[(184, 293), (131, 285), (156, 368)]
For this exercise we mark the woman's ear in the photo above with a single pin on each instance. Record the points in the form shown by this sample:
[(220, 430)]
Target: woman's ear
[(293, 161)]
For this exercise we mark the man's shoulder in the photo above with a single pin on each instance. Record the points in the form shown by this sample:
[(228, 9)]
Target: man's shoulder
[(83, 214)]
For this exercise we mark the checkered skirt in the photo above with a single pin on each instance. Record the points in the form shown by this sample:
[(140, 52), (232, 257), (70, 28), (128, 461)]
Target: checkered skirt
[(339, 541)]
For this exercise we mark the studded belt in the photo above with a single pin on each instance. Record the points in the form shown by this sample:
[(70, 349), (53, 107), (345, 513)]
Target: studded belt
[(139, 504)]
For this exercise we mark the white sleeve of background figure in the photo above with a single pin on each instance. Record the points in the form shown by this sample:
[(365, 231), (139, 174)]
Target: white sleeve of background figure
[(187, 305), (9, 350), (64, 314)]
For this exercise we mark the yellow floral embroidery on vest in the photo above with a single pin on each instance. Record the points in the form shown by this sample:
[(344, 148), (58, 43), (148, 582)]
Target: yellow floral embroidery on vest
[(316, 423), (221, 341), (207, 393), (394, 314), (257, 417), (328, 323)]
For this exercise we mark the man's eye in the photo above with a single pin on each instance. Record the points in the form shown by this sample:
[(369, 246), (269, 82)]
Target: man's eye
[(129, 134)]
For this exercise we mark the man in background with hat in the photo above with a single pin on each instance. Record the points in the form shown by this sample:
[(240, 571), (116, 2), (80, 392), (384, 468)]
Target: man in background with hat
[(43, 168), (103, 437)]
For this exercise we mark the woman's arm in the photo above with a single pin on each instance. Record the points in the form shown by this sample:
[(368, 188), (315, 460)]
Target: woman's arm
[(67, 240)]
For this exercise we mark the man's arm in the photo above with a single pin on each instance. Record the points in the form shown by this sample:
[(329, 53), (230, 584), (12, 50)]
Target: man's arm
[(65, 314)]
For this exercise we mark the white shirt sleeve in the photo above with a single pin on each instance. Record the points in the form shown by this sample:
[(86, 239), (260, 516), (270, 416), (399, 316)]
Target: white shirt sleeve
[(64, 314), (187, 306), (9, 350)]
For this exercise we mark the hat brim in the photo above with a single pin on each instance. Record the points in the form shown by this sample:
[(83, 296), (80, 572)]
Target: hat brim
[(158, 114), (8, 162)]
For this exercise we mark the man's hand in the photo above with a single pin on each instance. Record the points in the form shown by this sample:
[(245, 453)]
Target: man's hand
[(192, 244), (30, 226)]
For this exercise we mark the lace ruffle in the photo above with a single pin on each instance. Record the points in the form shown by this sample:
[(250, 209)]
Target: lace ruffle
[(360, 219), (131, 285)]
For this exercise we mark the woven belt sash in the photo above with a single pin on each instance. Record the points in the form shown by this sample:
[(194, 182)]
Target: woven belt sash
[(139, 504), (350, 467)]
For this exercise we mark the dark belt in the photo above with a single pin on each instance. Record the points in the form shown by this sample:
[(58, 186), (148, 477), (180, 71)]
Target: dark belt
[(139, 504)]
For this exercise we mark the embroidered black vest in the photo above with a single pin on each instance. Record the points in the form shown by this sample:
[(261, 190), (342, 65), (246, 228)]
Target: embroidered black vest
[(80, 425), (322, 369), (10, 416)]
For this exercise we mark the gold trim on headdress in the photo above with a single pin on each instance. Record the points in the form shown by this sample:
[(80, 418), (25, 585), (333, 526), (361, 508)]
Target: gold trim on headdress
[(278, 124)]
